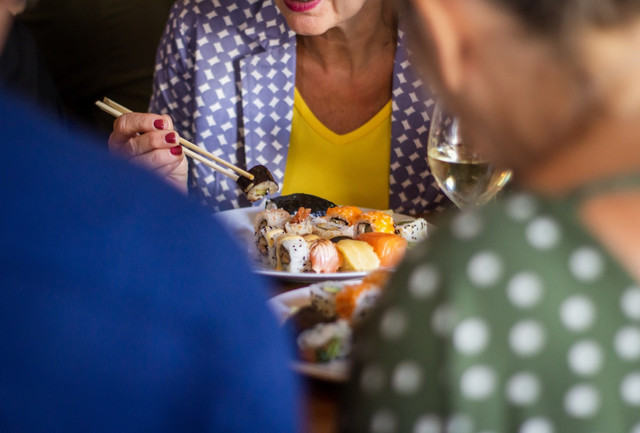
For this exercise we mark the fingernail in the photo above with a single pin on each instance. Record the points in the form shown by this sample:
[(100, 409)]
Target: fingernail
[(171, 138), (177, 151), (159, 124)]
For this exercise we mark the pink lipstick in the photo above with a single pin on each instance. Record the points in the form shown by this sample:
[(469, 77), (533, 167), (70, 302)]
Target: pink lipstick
[(301, 5)]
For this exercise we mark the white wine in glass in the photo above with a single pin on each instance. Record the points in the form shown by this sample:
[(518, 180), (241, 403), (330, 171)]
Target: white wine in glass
[(467, 178)]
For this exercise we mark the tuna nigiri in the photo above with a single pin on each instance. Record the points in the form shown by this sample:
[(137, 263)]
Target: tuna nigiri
[(324, 256), (389, 248)]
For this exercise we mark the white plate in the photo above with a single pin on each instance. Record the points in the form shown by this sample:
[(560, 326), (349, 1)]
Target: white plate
[(335, 371), (240, 223)]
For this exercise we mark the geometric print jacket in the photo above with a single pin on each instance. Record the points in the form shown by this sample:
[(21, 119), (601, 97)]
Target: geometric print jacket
[(225, 73)]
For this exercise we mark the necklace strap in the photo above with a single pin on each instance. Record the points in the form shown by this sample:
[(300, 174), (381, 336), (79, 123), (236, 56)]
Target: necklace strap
[(622, 182)]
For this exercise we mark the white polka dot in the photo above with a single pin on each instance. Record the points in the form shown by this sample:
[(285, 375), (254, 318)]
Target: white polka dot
[(630, 389), (424, 282), (582, 401), (459, 423), (525, 290), (372, 379), (523, 389), (585, 358), (407, 378), (478, 382), (577, 313), (627, 343), (527, 338), (586, 265), (484, 269), (521, 207), (635, 428), (466, 225), (471, 336), (543, 233), (630, 303), (536, 425), (393, 324), (443, 320), (383, 421), (427, 424)]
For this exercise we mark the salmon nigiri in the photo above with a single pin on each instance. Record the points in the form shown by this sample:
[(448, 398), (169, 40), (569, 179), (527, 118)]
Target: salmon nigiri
[(389, 248), (324, 256)]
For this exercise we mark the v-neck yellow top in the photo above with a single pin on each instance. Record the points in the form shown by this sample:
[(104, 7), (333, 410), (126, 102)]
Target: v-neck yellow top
[(348, 169)]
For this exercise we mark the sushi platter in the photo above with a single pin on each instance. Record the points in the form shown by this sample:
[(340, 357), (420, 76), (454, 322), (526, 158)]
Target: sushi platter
[(324, 316), (303, 238)]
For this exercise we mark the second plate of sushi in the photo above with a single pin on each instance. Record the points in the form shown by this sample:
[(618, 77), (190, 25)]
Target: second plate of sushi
[(324, 316), (305, 238)]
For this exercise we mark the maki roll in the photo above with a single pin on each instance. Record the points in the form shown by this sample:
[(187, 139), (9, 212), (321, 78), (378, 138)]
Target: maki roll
[(355, 301), (300, 224), (261, 186), (374, 221), (272, 218), (343, 215), (412, 231), (325, 342), (357, 256), (330, 230), (292, 202), (389, 248), (292, 254), (323, 298), (266, 245)]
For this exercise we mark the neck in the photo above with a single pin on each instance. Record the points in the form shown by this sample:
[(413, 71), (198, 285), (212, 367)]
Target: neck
[(354, 43), (607, 145)]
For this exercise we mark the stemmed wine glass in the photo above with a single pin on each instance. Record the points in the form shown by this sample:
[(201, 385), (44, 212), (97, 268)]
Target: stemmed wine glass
[(467, 178)]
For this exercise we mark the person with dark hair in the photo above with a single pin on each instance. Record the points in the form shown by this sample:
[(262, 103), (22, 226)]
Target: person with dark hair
[(123, 307), (522, 316)]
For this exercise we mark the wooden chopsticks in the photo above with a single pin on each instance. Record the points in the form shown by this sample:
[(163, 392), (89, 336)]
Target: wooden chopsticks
[(190, 149)]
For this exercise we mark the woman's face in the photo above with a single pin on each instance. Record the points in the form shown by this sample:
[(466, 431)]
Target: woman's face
[(315, 17)]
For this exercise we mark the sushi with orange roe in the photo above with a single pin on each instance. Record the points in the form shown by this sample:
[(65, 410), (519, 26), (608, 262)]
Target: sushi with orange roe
[(389, 248), (324, 256), (344, 215), (374, 221), (353, 302)]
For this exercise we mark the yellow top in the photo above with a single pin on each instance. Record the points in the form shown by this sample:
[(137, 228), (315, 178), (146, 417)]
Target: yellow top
[(348, 169)]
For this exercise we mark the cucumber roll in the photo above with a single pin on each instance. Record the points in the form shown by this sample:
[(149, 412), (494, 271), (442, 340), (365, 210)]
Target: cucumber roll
[(261, 186)]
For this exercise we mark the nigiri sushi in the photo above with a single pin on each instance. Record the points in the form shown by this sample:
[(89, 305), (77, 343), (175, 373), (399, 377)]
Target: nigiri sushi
[(357, 256), (389, 248), (324, 256)]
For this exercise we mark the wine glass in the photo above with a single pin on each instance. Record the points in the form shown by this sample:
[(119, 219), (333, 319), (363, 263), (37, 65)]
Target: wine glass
[(467, 178)]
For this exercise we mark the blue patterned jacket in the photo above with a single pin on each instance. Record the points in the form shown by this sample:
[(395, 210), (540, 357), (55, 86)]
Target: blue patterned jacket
[(225, 73)]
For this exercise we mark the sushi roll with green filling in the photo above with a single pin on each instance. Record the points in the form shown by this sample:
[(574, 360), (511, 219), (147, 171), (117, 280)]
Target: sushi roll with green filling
[(325, 342)]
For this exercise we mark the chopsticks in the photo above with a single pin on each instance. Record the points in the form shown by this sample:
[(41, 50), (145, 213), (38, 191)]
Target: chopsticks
[(190, 149)]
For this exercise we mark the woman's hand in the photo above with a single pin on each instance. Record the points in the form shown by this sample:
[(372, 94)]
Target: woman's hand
[(150, 141)]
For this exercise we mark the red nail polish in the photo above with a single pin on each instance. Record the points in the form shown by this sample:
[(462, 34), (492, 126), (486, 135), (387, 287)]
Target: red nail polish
[(171, 138), (159, 124), (177, 151)]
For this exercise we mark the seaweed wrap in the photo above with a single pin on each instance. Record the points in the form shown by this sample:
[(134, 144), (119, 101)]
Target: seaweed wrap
[(261, 186), (292, 202)]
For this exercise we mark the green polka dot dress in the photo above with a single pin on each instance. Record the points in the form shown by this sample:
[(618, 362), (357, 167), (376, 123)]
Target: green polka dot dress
[(511, 319)]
